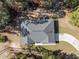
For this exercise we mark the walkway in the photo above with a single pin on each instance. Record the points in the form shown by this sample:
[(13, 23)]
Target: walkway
[(70, 39)]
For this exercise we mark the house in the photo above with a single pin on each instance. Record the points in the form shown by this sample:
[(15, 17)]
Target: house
[(38, 32)]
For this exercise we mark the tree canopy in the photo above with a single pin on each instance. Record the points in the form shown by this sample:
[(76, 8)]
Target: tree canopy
[(4, 17)]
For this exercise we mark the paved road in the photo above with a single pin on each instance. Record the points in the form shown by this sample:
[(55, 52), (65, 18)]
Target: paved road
[(69, 39)]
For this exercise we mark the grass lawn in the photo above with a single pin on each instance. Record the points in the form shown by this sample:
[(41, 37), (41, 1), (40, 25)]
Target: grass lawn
[(66, 30), (65, 47)]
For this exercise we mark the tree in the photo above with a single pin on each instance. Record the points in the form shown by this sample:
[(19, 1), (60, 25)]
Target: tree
[(4, 17), (72, 3), (50, 2), (44, 54), (21, 56)]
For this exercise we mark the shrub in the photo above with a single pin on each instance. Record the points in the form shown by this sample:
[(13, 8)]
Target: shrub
[(1, 39), (75, 17)]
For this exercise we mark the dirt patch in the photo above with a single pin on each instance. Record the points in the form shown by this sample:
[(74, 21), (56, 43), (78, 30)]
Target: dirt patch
[(13, 38)]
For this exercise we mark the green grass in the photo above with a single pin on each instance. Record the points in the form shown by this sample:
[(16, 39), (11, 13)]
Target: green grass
[(66, 30), (67, 47), (64, 46)]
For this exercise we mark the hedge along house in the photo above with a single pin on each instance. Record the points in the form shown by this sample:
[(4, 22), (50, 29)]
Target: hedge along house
[(40, 32)]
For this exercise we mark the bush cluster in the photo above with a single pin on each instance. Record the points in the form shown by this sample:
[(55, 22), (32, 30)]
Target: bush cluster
[(75, 17)]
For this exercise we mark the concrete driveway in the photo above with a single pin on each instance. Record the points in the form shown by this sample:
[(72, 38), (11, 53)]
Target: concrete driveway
[(69, 39)]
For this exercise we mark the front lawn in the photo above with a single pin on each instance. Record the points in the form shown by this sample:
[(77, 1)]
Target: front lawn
[(64, 46), (66, 30)]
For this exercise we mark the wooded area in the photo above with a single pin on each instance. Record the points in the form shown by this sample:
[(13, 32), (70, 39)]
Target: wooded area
[(17, 9), (13, 12)]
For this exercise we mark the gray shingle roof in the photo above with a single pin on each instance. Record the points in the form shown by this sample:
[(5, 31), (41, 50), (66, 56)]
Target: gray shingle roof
[(39, 33)]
